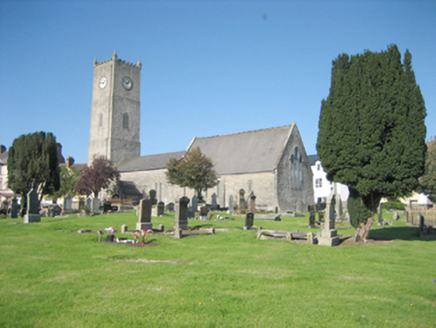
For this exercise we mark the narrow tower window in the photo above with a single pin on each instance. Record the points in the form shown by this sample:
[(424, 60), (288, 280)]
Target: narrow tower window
[(100, 120), (126, 121)]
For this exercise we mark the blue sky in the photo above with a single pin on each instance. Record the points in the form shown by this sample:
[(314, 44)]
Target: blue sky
[(208, 67)]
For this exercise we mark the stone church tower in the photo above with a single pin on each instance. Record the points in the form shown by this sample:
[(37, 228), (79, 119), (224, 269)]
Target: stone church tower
[(115, 112)]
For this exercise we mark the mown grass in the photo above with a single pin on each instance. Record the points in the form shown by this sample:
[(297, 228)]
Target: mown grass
[(51, 276)]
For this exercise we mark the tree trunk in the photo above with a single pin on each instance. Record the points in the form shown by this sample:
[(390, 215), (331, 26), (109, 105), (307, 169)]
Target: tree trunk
[(362, 232)]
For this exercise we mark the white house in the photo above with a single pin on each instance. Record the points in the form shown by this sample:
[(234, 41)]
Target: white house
[(323, 187)]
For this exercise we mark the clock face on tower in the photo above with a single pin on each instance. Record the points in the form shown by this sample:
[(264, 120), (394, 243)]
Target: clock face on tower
[(127, 83), (102, 83)]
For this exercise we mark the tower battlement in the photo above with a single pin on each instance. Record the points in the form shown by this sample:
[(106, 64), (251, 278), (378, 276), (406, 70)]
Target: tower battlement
[(116, 60)]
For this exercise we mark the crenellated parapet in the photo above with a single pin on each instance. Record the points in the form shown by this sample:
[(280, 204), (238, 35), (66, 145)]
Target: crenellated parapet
[(119, 61)]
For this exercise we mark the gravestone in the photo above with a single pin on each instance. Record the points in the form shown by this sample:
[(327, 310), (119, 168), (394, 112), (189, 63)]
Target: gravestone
[(396, 216), (182, 213), (299, 206), (203, 213), (231, 205), (124, 228), (95, 205), (14, 208), (241, 201), (107, 206), (194, 204), (310, 238), (144, 219), (312, 217), (214, 202), (177, 232), (329, 235), (380, 213), (152, 194), (191, 213), (55, 211), (32, 213), (170, 207), (339, 210), (160, 208), (252, 203), (161, 227), (249, 218), (421, 223)]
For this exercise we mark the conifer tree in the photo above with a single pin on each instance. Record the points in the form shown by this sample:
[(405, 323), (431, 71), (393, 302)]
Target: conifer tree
[(33, 163), (371, 130)]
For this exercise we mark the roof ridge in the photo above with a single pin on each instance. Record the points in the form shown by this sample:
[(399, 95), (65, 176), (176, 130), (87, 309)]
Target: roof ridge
[(243, 132)]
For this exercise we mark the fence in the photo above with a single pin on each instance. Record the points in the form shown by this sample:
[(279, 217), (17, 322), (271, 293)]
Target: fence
[(428, 213)]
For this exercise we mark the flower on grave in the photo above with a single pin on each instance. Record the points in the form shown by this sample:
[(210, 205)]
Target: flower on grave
[(211, 214), (110, 230)]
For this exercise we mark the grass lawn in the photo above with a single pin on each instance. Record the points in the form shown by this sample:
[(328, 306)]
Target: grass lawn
[(51, 276)]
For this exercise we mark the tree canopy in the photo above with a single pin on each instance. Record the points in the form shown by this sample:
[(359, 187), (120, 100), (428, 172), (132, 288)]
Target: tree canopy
[(69, 177), (371, 129), (194, 171), (96, 177), (428, 180), (33, 161)]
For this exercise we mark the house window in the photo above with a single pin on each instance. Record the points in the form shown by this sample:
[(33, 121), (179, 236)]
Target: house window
[(318, 167), (318, 183)]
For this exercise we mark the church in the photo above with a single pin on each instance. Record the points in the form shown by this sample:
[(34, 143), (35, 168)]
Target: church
[(270, 163)]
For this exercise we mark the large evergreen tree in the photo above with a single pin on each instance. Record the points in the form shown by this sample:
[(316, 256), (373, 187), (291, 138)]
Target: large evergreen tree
[(194, 171), (371, 130), (33, 162)]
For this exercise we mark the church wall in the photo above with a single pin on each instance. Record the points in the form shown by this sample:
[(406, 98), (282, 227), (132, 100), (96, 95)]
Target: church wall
[(262, 184), (294, 176)]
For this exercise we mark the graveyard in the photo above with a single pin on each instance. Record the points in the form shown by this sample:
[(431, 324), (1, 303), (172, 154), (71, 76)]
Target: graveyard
[(56, 273)]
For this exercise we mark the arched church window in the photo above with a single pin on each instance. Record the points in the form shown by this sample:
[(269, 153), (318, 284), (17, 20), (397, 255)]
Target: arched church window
[(126, 121), (297, 170)]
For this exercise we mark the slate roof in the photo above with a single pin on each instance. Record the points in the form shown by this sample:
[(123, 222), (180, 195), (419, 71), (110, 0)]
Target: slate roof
[(313, 159), (245, 152), (150, 162)]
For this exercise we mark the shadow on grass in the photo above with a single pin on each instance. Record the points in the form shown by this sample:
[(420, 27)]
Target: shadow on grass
[(403, 233), (197, 227)]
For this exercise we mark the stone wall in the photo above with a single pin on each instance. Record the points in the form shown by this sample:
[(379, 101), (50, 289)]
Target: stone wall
[(294, 175)]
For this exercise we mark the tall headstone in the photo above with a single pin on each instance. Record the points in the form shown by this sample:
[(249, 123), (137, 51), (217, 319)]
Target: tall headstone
[(152, 195), (241, 201), (299, 206), (32, 213), (160, 208), (231, 205), (144, 220), (214, 202), (195, 203), (329, 235), (14, 208), (252, 203), (312, 217), (182, 214)]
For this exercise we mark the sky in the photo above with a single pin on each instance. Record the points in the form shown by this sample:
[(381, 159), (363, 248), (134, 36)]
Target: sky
[(208, 67)]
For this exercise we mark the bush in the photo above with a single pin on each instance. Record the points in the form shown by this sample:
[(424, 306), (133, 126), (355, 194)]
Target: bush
[(393, 206)]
